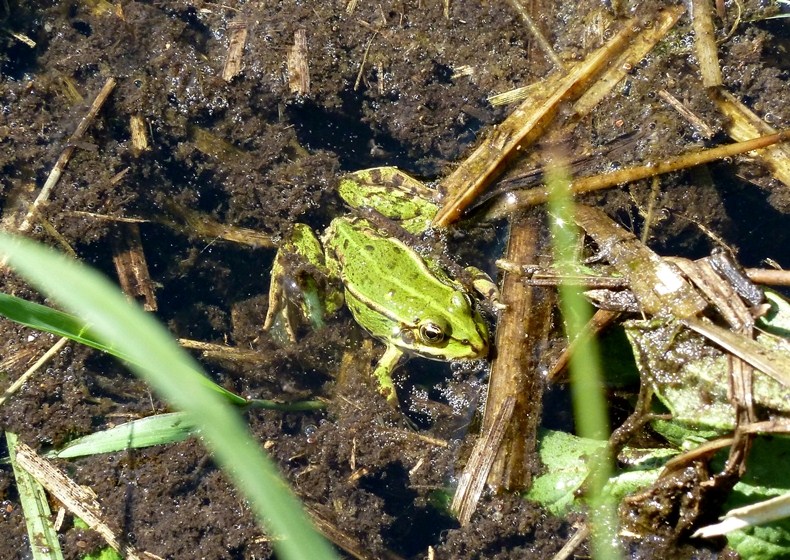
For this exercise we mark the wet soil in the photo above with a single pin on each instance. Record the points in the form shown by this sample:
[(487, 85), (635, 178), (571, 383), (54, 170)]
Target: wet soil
[(393, 83)]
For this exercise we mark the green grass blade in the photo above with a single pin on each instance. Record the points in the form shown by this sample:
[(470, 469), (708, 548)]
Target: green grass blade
[(43, 318), (587, 389), (158, 359), (145, 432), (41, 533)]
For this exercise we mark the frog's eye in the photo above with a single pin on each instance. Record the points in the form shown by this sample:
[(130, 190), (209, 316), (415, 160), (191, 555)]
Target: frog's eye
[(431, 332)]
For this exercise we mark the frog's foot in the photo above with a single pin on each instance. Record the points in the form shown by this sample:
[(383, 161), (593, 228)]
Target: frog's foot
[(291, 302), (485, 286), (278, 316), (393, 194), (383, 373), (294, 295)]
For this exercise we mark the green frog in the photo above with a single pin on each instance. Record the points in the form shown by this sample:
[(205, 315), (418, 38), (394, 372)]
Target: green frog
[(408, 301)]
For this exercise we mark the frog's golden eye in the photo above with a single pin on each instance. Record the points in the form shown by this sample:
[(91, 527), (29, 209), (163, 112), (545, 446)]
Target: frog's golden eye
[(431, 332)]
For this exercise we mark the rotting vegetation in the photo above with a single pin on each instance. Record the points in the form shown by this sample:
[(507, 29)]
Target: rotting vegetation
[(260, 146)]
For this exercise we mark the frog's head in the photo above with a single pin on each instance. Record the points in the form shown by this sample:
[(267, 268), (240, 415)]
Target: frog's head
[(454, 333)]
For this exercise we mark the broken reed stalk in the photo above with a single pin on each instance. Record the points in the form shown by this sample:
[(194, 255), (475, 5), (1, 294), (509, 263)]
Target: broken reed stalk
[(65, 155), (537, 34), (705, 42), (46, 357), (472, 481), (237, 30), (520, 338), (531, 197), (298, 67), (131, 266), (621, 66), (743, 124), (78, 500), (700, 125), (587, 82), (137, 128), (521, 128), (769, 276)]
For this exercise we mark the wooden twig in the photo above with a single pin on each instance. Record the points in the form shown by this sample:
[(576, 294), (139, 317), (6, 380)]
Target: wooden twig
[(597, 323), (22, 38), (522, 127), (534, 115), (769, 276), (521, 335), (472, 481), (531, 197), (237, 29), (298, 68), (223, 352), (364, 59), (686, 113), (620, 67), (537, 34), (65, 155), (139, 135), (705, 42), (743, 124), (131, 266), (48, 355), (581, 534), (78, 500), (344, 540)]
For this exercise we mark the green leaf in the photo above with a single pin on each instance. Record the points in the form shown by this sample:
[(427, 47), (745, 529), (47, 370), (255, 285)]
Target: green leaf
[(777, 320), (566, 459), (105, 553), (766, 477), (689, 374)]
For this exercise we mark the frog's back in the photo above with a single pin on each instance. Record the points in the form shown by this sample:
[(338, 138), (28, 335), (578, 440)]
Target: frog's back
[(384, 269)]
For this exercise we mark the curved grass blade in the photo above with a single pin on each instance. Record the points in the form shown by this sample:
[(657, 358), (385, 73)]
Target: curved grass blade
[(43, 318), (159, 429), (157, 358)]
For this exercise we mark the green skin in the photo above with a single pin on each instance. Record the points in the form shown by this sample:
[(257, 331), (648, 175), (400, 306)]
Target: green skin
[(406, 301)]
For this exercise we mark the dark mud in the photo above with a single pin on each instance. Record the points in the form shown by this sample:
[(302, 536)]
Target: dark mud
[(251, 153)]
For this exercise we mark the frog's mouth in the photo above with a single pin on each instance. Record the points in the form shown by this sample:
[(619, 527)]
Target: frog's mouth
[(477, 349), (449, 349)]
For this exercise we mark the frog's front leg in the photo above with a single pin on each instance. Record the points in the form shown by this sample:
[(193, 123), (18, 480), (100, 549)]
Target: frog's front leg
[(383, 373), (485, 287), (295, 295)]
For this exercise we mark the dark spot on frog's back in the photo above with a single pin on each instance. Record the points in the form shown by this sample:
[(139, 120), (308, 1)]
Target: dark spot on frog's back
[(397, 180), (369, 248)]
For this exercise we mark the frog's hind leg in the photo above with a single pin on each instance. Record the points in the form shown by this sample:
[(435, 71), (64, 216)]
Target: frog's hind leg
[(383, 373), (294, 295)]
